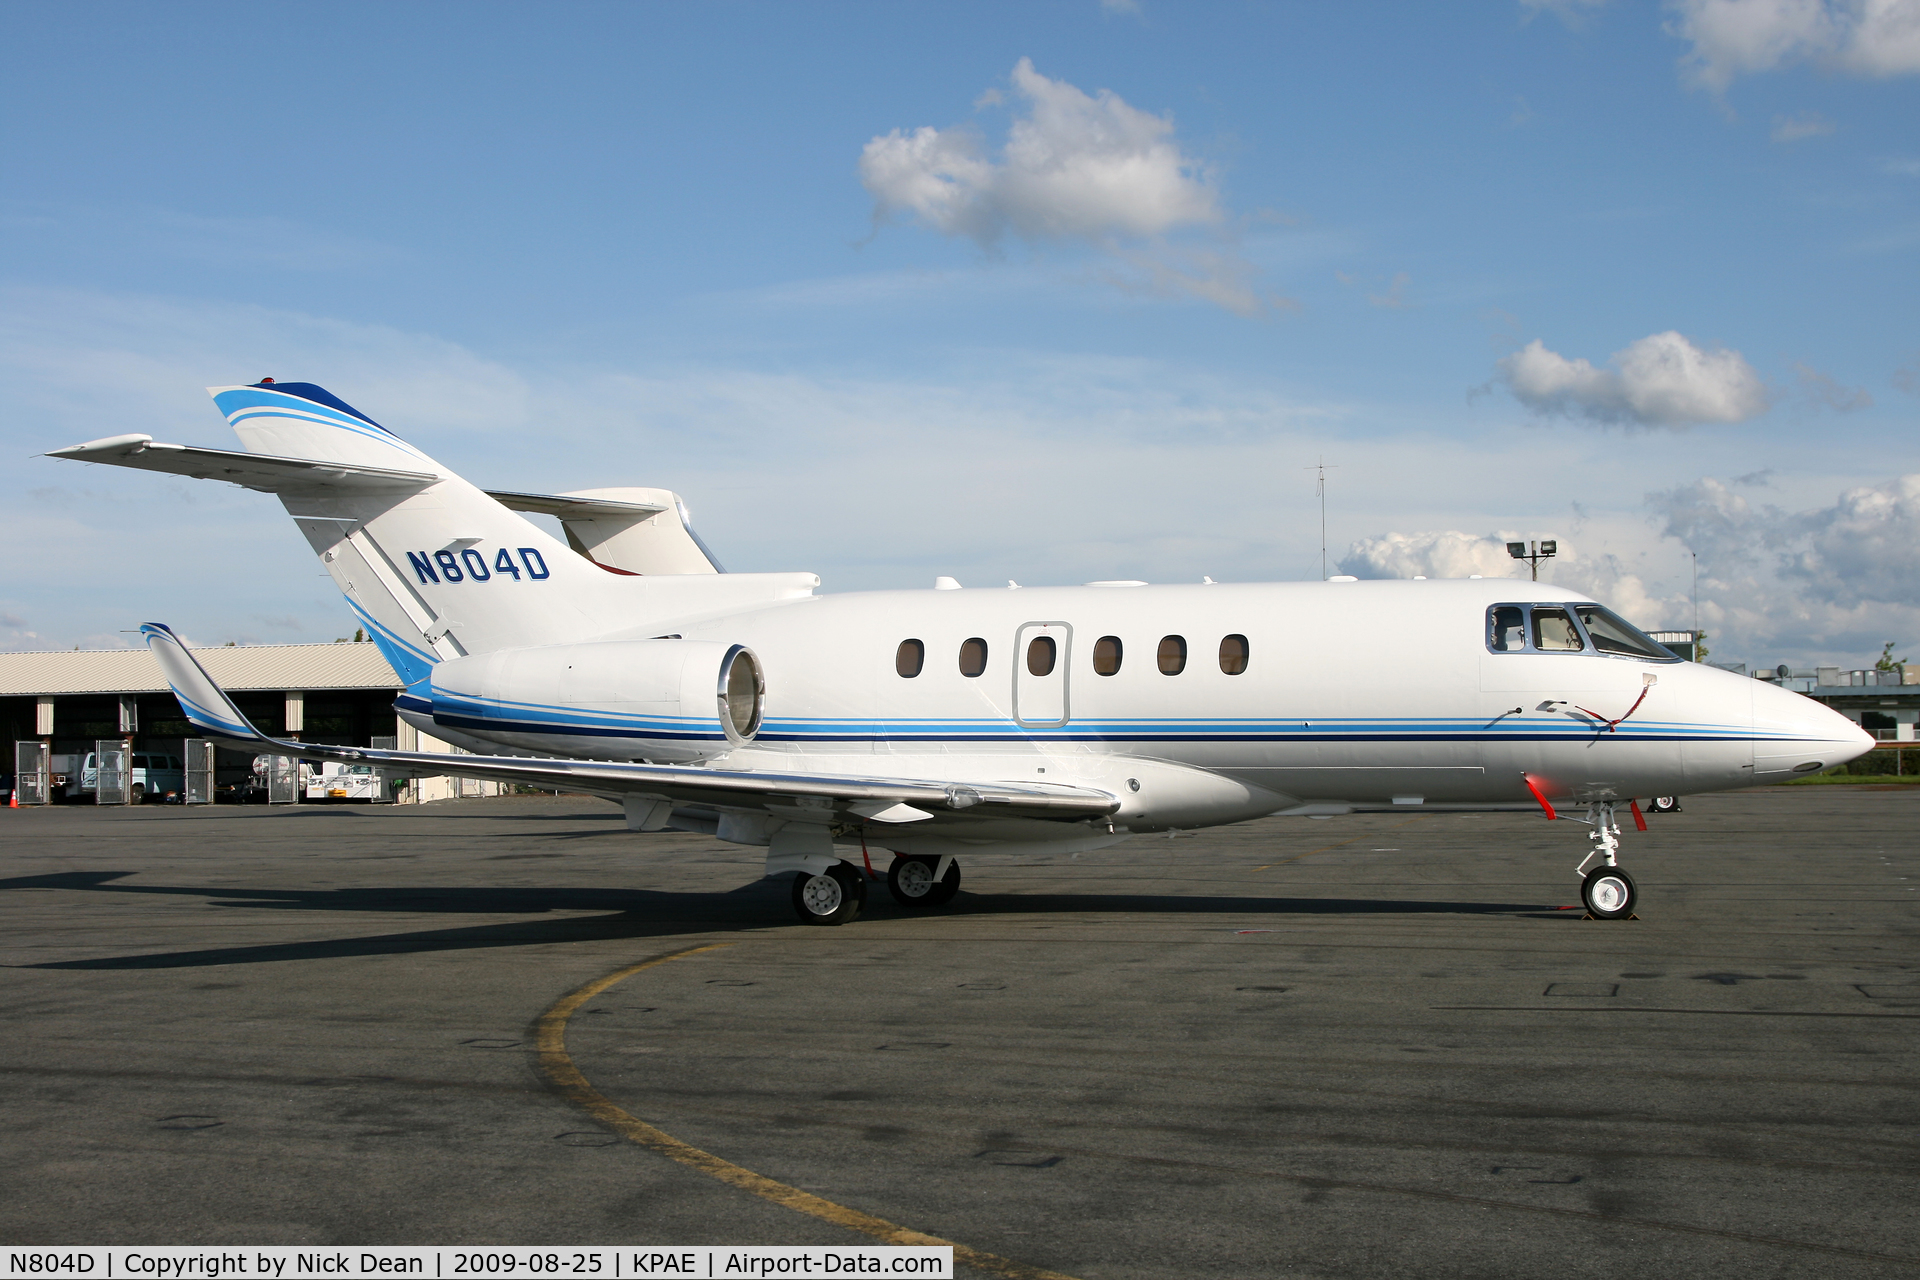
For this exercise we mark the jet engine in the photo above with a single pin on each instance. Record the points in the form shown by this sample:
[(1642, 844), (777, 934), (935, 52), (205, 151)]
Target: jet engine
[(659, 700)]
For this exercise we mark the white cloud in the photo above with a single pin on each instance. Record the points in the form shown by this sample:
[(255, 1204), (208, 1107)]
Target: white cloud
[(1866, 547), (1448, 554), (1810, 586), (1874, 38), (1452, 554), (1814, 583), (1662, 380), (1074, 167), (1808, 124)]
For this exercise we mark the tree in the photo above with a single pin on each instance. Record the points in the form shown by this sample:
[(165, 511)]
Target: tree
[(1887, 661)]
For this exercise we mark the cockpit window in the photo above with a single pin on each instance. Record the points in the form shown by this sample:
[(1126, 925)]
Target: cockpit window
[(1611, 633), (1553, 632), (1578, 628), (1506, 628)]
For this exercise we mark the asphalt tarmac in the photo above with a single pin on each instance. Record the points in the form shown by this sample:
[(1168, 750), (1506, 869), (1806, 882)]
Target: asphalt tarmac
[(1369, 1046)]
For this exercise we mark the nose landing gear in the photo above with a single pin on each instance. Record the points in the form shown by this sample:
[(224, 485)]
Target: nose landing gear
[(1607, 891)]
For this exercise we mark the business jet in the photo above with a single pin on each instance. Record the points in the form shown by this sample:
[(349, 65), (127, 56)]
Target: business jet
[(929, 725)]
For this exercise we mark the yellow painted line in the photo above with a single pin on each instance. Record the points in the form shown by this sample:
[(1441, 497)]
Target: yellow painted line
[(1336, 845), (550, 1038)]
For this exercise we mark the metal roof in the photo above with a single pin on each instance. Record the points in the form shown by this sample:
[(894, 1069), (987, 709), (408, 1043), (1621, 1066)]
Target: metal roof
[(235, 668)]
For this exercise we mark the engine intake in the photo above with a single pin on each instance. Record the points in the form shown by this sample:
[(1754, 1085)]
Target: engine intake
[(664, 700)]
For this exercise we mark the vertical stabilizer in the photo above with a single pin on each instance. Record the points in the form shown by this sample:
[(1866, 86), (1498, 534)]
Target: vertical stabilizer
[(437, 572)]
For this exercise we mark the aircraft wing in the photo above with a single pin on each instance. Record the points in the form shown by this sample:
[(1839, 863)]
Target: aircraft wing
[(261, 471), (879, 799)]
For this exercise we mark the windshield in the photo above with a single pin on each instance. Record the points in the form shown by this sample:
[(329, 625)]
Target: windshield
[(1613, 634)]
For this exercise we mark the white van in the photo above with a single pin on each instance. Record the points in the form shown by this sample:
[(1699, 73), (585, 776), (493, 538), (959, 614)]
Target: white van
[(339, 781), (152, 774)]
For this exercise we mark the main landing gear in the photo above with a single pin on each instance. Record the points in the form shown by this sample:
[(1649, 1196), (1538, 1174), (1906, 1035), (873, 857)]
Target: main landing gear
[(837, 894), (918, 882), (1607, 890), (833, 896)]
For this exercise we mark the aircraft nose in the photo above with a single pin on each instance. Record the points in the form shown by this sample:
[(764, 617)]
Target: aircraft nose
[(1794, 734)]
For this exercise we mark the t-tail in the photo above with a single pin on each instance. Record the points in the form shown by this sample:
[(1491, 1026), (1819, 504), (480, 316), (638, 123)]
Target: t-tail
[(434, 567), (437, 568)]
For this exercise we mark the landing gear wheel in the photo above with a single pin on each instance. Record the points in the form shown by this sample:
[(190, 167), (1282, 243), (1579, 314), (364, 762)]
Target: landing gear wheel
[(1608, 893), (910, 881), (833, 896), (1664, 804)]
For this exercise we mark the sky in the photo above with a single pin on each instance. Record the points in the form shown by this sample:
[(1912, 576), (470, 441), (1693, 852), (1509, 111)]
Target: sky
[(1046, 292)]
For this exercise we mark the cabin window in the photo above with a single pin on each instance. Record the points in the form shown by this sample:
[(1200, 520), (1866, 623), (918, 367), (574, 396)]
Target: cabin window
[(1040, 656), (1506, 628), (1233, 655), (1611, 633), (1553, 632), (1106, 656), (909, 658), (973, 656), (1173, 655)]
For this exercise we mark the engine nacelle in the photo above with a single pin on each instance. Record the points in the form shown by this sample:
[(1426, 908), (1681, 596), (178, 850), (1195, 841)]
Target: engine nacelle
[(660, 700)]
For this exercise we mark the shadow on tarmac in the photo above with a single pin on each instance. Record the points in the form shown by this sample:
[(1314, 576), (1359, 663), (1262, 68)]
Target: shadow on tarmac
[(641, 913)]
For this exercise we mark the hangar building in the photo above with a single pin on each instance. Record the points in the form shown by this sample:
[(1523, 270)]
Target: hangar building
[(340, 694)]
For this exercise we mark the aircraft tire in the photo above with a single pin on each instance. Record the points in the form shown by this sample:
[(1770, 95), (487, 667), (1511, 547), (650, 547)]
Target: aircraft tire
[(948, 885), (1609, 893), (833, 896), (910, 881), (1664, 804)]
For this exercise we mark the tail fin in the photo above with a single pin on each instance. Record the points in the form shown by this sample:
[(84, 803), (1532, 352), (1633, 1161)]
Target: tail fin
[(435, 568), (436, 572)]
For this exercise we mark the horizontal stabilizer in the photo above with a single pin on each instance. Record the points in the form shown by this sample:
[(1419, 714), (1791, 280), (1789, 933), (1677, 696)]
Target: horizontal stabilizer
[(568, 507), (262, 472), (845, 798)]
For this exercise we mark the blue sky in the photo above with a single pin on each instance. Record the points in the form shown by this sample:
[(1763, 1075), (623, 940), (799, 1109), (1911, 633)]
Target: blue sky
[(1050, 292)]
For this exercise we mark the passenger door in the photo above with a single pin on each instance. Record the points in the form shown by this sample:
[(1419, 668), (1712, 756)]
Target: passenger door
[(1041, 653)]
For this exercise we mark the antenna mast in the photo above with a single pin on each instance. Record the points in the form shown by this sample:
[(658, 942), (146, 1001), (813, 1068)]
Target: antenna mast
[(1320, 491)]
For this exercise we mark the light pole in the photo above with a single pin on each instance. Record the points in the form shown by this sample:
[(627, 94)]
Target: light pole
[(1533, 553)]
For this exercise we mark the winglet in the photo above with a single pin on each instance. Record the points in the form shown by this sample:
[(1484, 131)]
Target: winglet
[(206, 704)]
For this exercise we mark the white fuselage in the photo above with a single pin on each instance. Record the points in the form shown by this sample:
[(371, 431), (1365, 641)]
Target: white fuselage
[(1353, 695)]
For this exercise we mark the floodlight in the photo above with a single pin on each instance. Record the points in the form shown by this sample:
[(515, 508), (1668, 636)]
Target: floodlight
[(1518, 550)]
